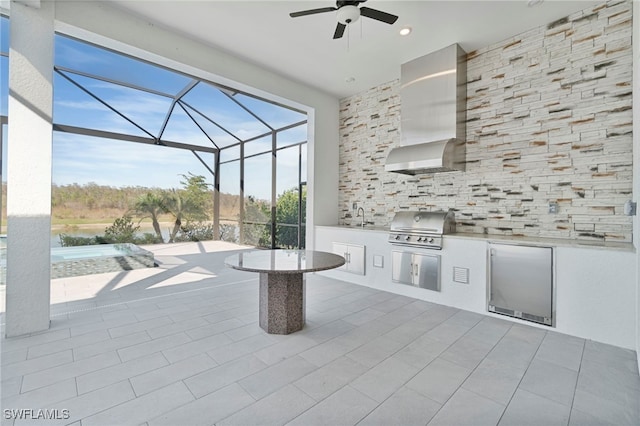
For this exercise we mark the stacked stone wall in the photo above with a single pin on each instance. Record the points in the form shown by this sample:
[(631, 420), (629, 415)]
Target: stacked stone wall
[(549, 120)]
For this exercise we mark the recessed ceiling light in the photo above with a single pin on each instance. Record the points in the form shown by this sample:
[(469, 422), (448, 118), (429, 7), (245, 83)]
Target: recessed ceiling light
[(532, 3), (405, 31), (350, 79)]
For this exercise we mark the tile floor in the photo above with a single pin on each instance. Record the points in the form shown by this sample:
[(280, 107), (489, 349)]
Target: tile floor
[(180, 345)]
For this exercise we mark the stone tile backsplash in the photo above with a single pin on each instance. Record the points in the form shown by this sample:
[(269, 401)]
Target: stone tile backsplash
[(548, 120)]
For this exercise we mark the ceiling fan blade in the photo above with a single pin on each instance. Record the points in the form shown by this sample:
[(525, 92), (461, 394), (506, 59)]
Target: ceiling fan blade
[(378, 15), (312, 11), (339, 31)]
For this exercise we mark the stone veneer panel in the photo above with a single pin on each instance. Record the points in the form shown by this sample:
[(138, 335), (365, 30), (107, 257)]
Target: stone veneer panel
[(548, 120)]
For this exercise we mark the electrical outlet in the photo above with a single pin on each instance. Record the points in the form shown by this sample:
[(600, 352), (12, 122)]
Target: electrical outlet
[(354, 206), (630, 208), (553, 207)]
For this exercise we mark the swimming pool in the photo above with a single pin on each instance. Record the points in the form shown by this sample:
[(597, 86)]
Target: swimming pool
[(97, 259), (87, 260)]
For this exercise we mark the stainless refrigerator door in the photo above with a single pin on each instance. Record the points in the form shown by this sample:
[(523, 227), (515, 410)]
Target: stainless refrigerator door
[(402, 267), (428, 268), (522, 278)]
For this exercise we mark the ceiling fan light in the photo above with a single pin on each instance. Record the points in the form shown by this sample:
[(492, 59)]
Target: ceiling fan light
[(348, 14)]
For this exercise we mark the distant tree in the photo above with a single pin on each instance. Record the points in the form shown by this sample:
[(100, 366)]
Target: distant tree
[(196, 192), (192, 203), (189, 203), (151, 205), (287, 211), (257, 219), (183, 208), (176, 205)]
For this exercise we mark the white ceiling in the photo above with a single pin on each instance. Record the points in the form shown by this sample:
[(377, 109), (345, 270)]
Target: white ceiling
[(370, 52)]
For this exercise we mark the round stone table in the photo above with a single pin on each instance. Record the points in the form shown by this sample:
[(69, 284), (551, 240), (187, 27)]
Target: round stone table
[(282, 284)]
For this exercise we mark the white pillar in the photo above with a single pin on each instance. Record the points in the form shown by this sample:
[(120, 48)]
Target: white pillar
[(635, 48), (29, 168)]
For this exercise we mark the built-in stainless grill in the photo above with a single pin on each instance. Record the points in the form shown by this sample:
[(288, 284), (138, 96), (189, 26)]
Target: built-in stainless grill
[(421, 229)]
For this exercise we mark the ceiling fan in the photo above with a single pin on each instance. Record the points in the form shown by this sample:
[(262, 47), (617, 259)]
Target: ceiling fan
[(349, 12)]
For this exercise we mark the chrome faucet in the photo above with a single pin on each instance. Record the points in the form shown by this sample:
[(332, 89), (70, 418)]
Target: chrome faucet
[(358, 215)]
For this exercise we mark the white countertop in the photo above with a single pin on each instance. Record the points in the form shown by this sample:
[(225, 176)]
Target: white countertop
[(370, 228), (508, 239), (549, 242)]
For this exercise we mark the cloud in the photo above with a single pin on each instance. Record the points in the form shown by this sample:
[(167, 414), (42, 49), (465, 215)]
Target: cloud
[(84, 159), (74, 54)]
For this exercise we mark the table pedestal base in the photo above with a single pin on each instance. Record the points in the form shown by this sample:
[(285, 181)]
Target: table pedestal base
[(281, 302)]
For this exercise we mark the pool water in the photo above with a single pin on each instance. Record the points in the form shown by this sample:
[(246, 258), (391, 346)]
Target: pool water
[(103, 250), (87, 260)]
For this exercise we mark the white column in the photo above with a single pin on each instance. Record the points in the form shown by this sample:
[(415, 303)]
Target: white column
[(29, 167), (635, 37)]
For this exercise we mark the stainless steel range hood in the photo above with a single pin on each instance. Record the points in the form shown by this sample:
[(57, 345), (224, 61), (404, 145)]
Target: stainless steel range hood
[(433, 114)]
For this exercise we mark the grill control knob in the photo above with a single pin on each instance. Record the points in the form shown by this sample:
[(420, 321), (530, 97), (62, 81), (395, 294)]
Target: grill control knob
[(430, 240), (397, 237), (419, 239), (407, 238)]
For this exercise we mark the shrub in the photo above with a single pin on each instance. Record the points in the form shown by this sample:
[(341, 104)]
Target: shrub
[(228, 232), (123, 230), (195, 231), (148, 238), (71, 240)]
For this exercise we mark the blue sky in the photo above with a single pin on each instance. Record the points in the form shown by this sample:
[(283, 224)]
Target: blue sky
[(82, 159)]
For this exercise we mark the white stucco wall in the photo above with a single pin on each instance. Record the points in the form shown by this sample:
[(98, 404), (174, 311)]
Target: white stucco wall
[(102, 24), (636, 158)]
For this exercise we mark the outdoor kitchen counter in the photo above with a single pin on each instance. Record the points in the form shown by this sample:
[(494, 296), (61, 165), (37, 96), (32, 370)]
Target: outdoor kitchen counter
[(547, 242), (507, 239), (585, 274), (371, 228)]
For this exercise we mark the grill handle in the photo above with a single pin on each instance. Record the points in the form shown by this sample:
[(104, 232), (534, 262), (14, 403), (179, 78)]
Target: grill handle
[(429, 230)]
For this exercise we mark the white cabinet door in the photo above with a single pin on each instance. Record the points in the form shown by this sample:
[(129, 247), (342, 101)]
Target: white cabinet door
[(354, 256), (341, 250), (356, 259)]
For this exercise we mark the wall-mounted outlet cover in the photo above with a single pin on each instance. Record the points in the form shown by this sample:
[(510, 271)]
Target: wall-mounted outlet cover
[(378, 261), (354, 206), (553, 207), (630, 208)]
